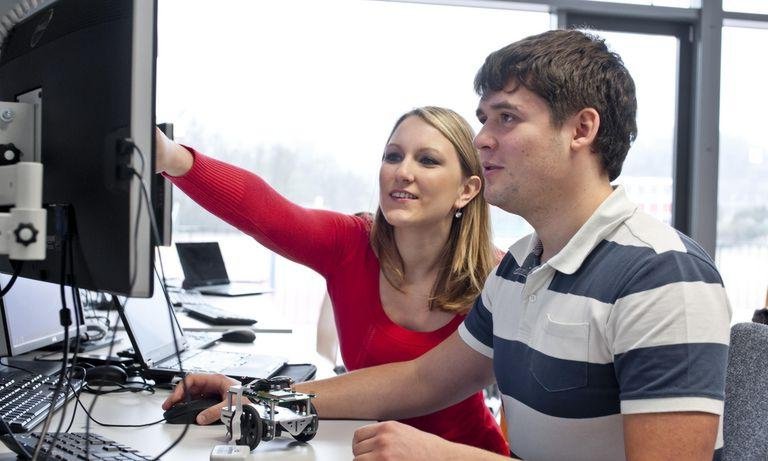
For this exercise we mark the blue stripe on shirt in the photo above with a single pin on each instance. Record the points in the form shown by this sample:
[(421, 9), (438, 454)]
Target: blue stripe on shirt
[(577, 389), (677, 370), (479, 322), (639, 269), (509, 269)]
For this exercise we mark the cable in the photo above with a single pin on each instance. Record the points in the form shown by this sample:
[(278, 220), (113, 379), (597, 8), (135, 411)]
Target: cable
[(8, 431), (78, 308), (91, 418), (66, 321), (76, 394), (156, 236), (16, 271)]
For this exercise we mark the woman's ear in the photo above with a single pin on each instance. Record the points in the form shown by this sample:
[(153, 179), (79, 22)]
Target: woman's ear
[(469, 189)]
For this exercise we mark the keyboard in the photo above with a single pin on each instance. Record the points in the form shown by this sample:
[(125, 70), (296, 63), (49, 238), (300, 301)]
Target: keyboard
[(216, 316), (72, 446), (206, 361), (25, 398), (185, 298), (201, 339)]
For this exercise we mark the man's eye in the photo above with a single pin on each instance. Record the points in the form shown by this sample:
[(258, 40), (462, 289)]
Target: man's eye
[(392, 157), (507, 118)]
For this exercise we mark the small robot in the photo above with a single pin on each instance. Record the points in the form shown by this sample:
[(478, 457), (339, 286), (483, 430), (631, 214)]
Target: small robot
[(272, 407)]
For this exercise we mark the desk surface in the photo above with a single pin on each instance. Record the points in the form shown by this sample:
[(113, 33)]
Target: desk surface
[(333, 440)]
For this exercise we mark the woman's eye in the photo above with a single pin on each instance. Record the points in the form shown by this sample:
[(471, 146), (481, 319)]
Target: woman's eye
[(429, 161), (392, 157)]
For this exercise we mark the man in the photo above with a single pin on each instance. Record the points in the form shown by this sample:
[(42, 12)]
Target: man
[(605, 330)]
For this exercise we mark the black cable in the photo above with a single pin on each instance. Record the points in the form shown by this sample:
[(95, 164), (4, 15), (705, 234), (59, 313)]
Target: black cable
[(138, 211), (5, 425), (111, 349), (91, 418), (66, 321), (75, 393), (17, 265), (156, 235), (119, 388), (8, 431), (78, 309)]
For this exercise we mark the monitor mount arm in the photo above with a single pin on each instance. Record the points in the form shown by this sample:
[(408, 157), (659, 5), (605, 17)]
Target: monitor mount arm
[(23, 228)]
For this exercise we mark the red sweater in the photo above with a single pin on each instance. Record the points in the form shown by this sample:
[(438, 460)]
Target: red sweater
[(337, 246)]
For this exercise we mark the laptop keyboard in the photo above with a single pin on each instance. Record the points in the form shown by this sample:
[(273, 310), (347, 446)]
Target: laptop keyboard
[(185, 298), (209, 361), (201, 339)]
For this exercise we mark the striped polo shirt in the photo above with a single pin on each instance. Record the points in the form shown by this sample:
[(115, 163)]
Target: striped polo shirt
[(630, 316)]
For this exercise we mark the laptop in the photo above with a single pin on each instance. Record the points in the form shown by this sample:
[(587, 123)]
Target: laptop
[(204, 271), (148, 323)]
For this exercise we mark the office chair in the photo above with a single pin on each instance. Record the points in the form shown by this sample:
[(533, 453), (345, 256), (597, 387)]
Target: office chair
[(327, 336), (745, 420)]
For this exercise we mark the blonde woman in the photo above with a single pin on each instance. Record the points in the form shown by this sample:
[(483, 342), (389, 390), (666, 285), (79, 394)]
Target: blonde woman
[(399, 284)]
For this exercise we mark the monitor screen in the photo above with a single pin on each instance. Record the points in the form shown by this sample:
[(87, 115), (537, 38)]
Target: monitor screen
[(202, 264), (150, 322), (89, 68), (30, 315)]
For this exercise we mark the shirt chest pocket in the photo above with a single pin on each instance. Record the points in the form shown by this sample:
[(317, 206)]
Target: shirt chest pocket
[(559, 359)]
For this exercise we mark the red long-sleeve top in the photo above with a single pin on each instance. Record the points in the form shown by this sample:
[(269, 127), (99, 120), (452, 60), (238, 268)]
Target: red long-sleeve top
[(337, 246)]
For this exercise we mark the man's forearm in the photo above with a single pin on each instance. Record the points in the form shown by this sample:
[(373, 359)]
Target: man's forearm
[(390, 391), (445, 375)]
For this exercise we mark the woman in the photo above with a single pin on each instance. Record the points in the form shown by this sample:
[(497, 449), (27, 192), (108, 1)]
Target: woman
[(400, 284)]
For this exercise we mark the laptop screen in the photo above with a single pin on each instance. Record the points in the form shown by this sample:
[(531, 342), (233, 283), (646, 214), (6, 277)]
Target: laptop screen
[(150, 321), (30, 315), (202, 264)]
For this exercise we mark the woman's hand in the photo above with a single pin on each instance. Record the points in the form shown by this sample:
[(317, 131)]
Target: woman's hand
[(202, 385), (171, 157)]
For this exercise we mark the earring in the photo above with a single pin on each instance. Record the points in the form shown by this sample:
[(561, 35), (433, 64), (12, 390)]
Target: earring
[(458, 214)]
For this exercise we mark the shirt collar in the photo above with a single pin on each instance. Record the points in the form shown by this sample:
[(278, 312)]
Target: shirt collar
[(607, 217)]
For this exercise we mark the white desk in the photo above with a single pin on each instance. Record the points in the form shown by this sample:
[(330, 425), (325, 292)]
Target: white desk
[(332, 442), (264, 308)]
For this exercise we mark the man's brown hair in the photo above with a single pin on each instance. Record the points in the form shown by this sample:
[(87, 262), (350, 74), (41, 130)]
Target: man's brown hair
[(571, 70)]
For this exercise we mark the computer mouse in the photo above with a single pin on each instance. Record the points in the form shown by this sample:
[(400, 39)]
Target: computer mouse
[(105, 375), (186, 412), (239, 336)]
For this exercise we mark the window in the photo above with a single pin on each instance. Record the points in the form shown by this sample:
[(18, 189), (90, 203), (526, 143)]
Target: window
[(647, 172), (305, 93), (671, 3), (659, 67), (742, 213), (746, 6)]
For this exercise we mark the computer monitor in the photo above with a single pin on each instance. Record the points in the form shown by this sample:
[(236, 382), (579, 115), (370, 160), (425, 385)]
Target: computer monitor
[(29, 314), (162, 199), (89, 67)]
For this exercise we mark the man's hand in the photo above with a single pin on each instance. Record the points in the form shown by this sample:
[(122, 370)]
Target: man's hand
[(391, 440), (199, 386)]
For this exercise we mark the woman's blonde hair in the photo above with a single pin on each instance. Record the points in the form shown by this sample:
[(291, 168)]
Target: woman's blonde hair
[(467, 257)]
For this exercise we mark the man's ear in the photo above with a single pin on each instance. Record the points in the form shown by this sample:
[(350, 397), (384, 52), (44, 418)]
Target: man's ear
[(586, 122), (469, 189)]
